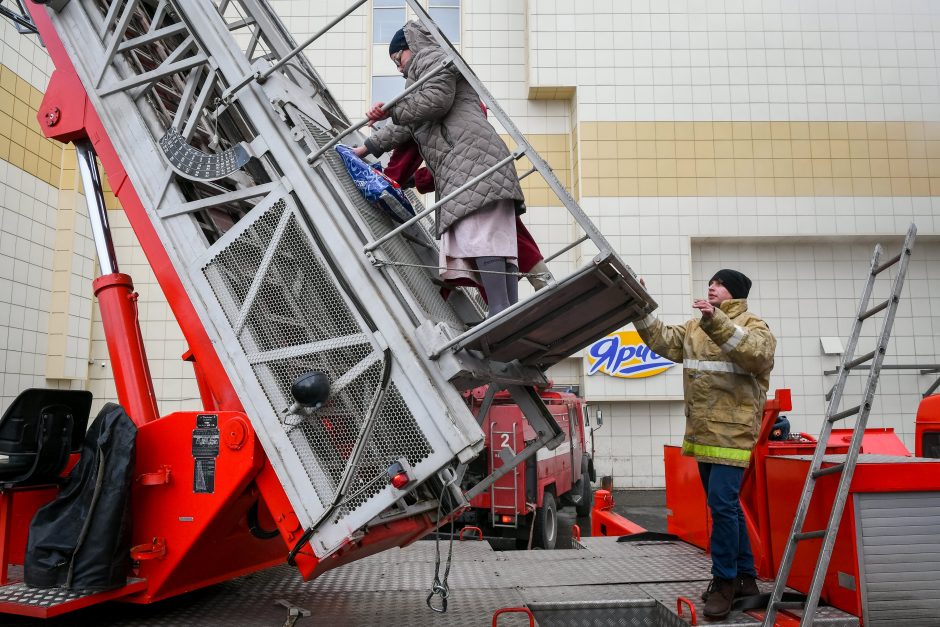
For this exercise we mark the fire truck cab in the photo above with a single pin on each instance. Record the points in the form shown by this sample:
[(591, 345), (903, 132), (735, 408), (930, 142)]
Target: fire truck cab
[(523, 504)]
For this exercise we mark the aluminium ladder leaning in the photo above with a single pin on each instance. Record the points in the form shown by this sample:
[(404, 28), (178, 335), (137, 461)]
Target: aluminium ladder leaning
[(846, 467)]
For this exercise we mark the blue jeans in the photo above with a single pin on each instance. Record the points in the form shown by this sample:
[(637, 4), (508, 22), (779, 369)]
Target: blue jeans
[(730, 546)]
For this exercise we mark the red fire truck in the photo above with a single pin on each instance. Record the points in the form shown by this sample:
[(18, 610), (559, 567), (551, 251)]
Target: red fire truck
[(523, 504)]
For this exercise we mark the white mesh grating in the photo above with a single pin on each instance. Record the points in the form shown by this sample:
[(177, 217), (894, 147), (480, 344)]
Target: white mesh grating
[(396, 435), (295, 321)]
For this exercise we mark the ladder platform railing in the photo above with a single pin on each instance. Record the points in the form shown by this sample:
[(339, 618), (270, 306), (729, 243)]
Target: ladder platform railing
[(371, 246), (313, 156)]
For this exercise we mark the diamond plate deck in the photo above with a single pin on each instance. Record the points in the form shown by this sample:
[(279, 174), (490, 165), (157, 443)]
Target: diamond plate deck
[(46, 602), (468, 551), (626, 615), (610, 583), (544, 595), (667, 593), (610, 546)]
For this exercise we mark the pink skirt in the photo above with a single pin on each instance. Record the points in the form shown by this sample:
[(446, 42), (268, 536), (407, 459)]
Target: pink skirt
[(489, 232)]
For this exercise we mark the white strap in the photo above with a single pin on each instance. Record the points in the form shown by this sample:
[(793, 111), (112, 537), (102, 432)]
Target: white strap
[(714, 366), (734, 340), (645, 322)]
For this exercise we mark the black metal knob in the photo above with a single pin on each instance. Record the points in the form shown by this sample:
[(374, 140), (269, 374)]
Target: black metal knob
[(311, 389)]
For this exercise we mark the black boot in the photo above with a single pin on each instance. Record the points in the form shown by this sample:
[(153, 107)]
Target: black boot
[(718, 605), (711, 588), (747, 587)]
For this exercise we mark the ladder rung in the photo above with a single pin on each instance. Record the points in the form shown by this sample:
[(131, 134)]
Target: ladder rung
[(859, 360), (532, 170), (887, 264), (845, 414), (809, 535), (415, 240), (789, 605), (871, 312), (829, 470)]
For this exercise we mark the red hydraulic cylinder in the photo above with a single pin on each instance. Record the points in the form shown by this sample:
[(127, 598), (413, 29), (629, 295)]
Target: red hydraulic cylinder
[(117, 301)]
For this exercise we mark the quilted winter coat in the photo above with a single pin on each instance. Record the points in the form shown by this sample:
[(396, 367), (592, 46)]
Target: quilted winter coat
[(726, 362), (457, 143)]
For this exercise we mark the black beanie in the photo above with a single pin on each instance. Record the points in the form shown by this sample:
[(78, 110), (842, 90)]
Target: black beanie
[(735, 282), (398, 42)]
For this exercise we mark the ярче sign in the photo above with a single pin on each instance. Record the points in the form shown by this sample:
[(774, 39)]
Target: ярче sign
[(623, 354)]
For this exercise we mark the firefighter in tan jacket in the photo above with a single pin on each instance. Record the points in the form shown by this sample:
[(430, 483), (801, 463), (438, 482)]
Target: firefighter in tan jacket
[(727, 357)]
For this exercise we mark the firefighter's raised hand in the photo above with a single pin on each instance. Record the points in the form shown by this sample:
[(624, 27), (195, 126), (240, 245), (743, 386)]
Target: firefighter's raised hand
[(376, 113), (705, 307)]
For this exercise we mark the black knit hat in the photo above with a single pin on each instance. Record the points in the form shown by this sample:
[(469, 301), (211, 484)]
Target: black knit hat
[(398, 42), (735, 282)]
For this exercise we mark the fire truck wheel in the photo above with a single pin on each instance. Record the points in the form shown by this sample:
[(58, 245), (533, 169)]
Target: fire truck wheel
[(546, 523), (587, 496)]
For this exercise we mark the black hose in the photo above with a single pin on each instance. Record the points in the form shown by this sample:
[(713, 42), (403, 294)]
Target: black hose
[(255, 528), (304, 539)]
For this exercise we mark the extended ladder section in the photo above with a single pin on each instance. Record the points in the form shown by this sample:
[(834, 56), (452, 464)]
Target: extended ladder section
[(226, 133), (845, 468)]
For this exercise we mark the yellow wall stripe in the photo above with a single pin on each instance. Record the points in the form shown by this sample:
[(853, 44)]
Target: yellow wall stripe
[(555, 148), (760, 158), (21, 142)]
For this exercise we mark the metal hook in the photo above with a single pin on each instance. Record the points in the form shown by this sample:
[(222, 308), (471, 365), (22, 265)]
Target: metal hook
[(443, 592)]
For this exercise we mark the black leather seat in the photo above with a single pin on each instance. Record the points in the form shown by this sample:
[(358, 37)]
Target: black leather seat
[(38, 432)]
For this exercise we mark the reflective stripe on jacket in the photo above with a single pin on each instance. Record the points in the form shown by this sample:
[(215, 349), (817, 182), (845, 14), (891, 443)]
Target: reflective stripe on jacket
[(726, 361)]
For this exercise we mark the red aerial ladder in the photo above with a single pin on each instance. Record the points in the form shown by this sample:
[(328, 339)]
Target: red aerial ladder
[(331, 424)]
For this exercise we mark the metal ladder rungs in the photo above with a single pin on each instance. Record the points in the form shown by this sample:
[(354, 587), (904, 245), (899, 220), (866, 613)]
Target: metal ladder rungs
[(858, 361), (888, 263), (418, 242), (845, 414), (830, 470), (809, 535), (532, 170), (845, 469), (871, 312), (789, 605)]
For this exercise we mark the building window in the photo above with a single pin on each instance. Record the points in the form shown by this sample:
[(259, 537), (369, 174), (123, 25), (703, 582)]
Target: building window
[(384, 88), (447, 15), (387, 17)]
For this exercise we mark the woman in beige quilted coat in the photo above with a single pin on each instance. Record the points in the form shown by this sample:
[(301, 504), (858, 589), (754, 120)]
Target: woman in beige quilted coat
[(477, 228)]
